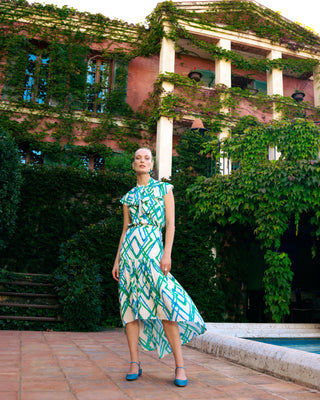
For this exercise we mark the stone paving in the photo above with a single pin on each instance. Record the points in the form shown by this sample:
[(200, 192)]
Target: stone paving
[(92, 366)]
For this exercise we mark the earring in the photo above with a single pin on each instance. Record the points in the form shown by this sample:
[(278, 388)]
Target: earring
[(151, 172)]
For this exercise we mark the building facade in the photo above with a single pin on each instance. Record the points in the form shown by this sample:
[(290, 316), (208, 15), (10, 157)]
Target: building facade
[(84, 84)]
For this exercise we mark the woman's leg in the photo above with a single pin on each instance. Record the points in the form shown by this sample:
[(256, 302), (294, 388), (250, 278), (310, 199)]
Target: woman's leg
[(132, 333), (171, 330)]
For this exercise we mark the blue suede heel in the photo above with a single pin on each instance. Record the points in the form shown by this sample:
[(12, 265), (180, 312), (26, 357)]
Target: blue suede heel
[(180, 382), (133, 377)]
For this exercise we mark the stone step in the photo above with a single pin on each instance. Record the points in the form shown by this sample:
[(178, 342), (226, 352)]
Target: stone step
[(48, 295), (26, 283), (27, 297), (29, 318), (28, 305)]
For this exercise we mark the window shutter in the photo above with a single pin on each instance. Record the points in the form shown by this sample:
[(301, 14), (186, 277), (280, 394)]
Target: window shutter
[(15, 71), (207, 78), (261, 86)]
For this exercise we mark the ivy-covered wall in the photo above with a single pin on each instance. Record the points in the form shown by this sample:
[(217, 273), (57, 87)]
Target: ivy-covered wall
[(128, 98)]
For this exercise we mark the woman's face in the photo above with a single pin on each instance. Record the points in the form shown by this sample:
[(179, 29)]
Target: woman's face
[(143, 162)]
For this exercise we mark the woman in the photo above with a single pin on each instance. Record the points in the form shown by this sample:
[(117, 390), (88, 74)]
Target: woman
[(156, 311)]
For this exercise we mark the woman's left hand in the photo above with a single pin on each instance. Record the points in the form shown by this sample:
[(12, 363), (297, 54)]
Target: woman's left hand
[(165, 264)]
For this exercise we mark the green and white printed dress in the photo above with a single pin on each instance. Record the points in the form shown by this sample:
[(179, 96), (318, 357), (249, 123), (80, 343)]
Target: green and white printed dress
[(146, 294)]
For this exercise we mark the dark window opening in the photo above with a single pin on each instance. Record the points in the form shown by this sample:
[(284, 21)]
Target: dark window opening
[(29, 156)]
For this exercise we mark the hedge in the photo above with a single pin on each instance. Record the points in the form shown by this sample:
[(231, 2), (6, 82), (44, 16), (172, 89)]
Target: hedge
[(56, 203)]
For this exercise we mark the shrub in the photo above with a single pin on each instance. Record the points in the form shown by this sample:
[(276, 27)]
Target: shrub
[(57, 202), (193, 262), (10, 182), (86, 289)]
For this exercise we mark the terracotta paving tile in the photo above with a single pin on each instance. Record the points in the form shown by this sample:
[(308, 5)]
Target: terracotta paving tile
[(305, 395), (85, 385), (102, 395), (155, 394), (93, 365), (48, 396), (279, 386), (9, 395), (47, 384), (9, 386), (9, 376)]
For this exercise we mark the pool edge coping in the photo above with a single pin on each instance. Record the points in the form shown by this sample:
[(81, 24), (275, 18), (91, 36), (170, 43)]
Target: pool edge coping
[(290, 364)]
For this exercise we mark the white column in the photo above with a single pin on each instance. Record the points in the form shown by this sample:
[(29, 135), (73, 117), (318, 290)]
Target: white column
[(223, 67), (274, 79), (274, 86), (223, 77), (165, 124), (164, 147), (316, 85)]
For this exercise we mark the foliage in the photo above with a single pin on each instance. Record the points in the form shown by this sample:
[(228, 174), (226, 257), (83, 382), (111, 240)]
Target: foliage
[(79, 289), (190, 157), (191, 98), (56, 202), (241, 16), (266, 195), (196, 268), (277, 283), (86, 289), (250, 197), (10, 182), (66, 38)]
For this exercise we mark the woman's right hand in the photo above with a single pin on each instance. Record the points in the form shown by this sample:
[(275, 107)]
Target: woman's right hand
[(115, 271)]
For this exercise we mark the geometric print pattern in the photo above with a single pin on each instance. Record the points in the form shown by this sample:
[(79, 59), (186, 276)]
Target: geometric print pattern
[(145, 293)]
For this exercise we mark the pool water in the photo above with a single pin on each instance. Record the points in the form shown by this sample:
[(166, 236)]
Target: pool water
[(311, 345)]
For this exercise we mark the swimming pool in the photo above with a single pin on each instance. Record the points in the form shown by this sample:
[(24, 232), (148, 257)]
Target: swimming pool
[(311, 345)]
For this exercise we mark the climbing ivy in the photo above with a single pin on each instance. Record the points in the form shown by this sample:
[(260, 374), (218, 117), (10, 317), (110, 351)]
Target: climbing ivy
[(67, 36), (262, 195), (267, 195)]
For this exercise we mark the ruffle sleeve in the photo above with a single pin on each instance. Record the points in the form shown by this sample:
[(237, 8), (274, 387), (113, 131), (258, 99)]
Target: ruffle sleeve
[(162, 188)]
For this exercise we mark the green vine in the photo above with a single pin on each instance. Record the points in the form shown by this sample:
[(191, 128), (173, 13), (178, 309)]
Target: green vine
[(66, 36), (266, 196), (277, 282)]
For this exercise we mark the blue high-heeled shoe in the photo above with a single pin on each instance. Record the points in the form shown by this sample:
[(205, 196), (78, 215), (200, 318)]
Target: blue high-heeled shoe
[(180, 382), (133, 377)]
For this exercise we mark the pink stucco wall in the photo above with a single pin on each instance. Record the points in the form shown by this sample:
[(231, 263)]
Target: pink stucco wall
[(142, 73)]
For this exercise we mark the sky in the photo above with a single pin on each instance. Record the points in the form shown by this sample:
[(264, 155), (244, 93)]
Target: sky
[(305, 12)]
